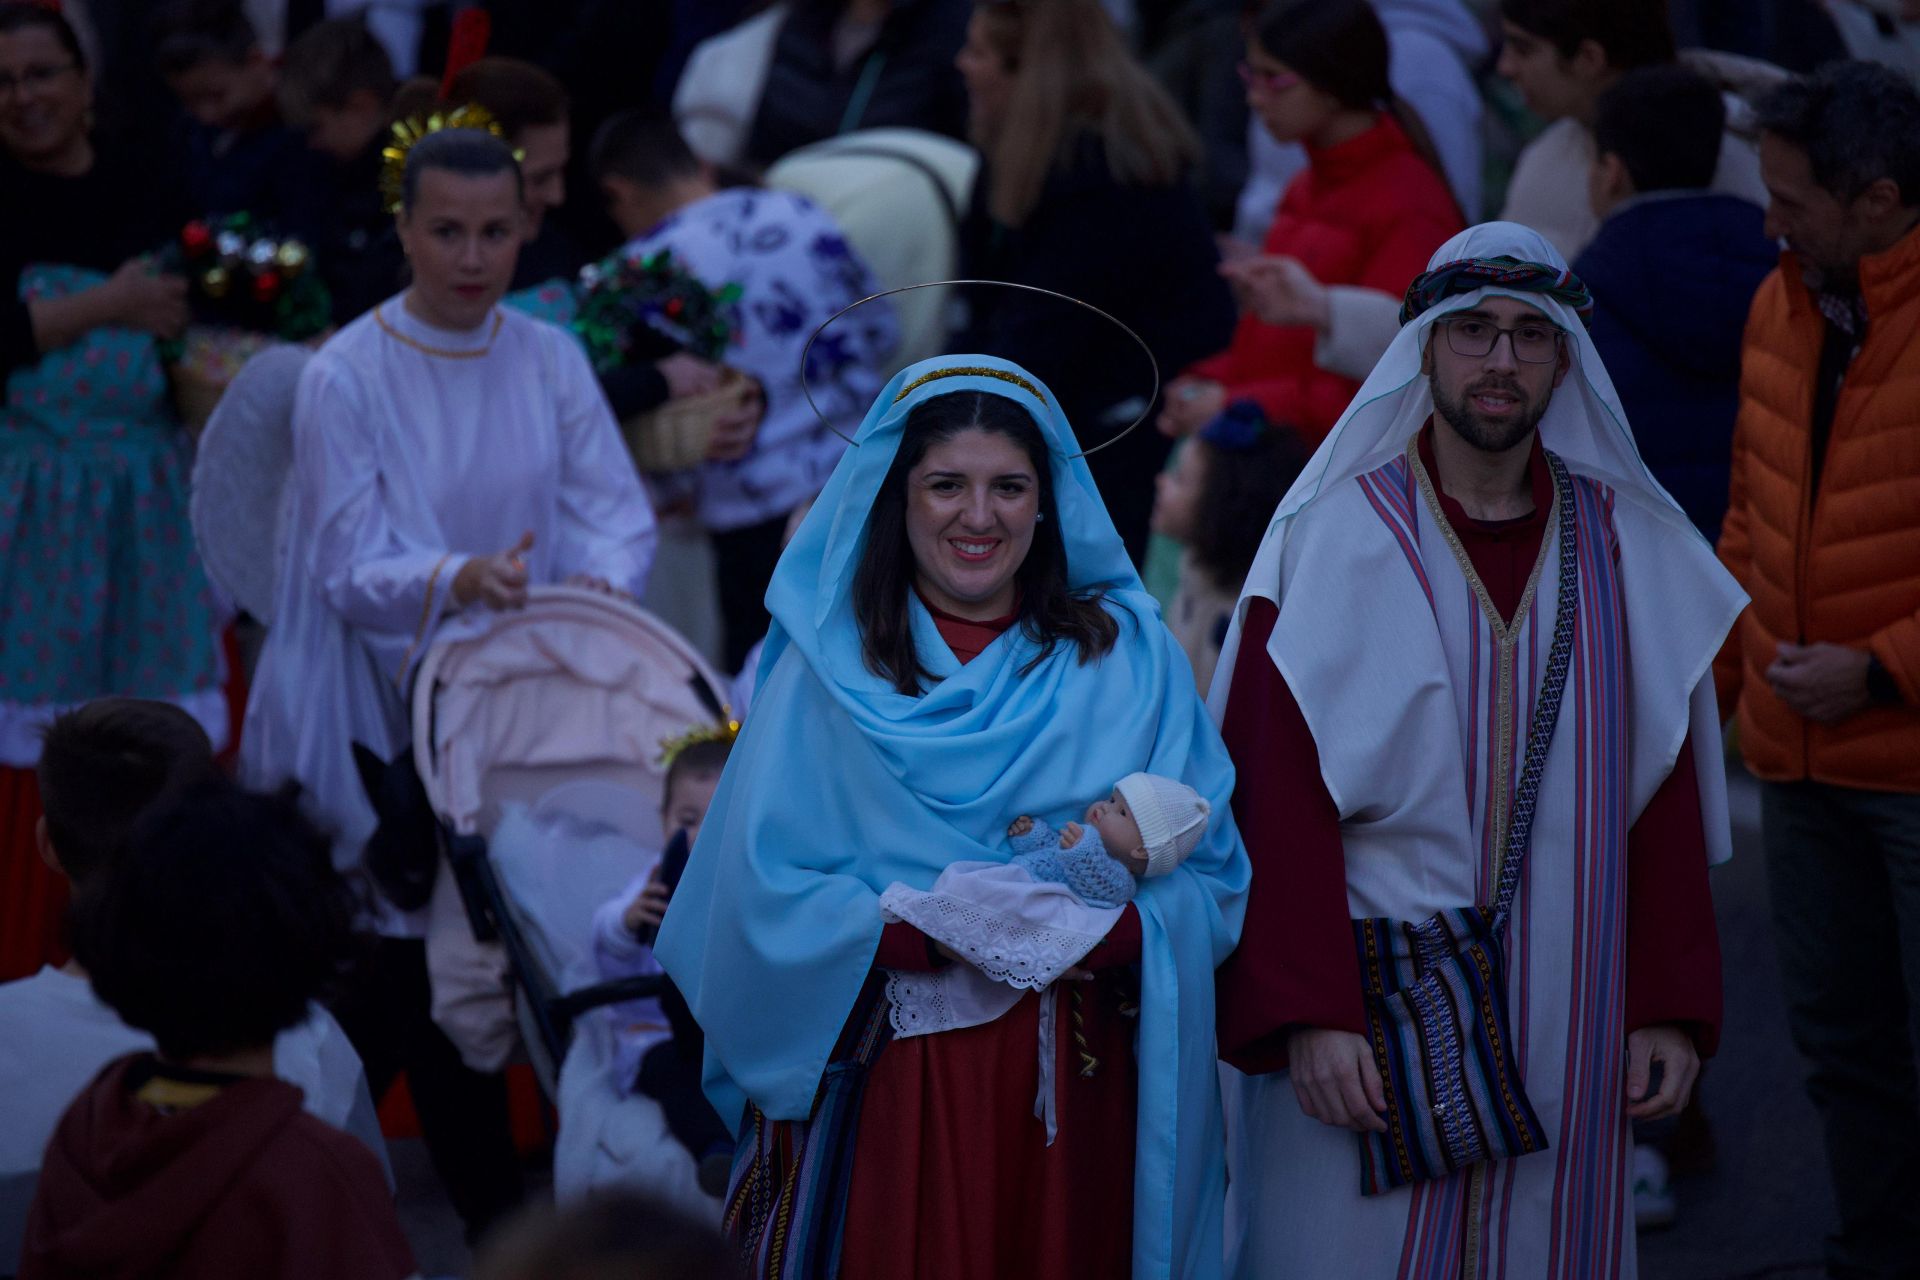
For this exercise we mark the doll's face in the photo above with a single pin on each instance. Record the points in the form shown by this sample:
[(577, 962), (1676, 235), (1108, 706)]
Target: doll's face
[(1119, 831)]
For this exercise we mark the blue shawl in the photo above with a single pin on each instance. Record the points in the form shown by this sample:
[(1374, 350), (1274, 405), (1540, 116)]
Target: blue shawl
[(839, 786)]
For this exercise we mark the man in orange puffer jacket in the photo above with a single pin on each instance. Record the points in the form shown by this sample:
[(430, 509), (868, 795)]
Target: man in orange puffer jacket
[(1823, 670)]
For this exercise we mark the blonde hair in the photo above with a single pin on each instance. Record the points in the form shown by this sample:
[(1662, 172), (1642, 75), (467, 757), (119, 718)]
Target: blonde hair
[(1072, 73)]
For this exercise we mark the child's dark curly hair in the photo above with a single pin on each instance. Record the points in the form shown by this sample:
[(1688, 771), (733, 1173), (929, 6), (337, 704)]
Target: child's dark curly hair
[(1248, 464)]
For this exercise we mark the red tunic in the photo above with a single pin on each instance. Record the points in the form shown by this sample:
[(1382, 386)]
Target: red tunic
[(1296, 967), (952, 1177)]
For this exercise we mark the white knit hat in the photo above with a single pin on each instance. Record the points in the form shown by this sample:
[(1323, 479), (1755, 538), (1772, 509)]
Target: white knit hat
[(1171, 815)]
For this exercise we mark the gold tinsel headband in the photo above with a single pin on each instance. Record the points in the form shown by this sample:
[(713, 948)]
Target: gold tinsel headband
[(671, 748), (408, 133)]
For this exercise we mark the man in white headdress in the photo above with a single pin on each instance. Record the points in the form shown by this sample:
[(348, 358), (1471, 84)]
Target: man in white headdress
[(1477, 636)]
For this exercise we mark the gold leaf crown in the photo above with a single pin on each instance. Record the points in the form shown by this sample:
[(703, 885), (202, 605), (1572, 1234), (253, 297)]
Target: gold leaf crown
[(671, 748), (408, 133)]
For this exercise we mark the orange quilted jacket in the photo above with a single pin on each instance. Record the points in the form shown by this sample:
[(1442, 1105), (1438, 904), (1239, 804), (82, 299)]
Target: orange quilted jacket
[(1843, 565)]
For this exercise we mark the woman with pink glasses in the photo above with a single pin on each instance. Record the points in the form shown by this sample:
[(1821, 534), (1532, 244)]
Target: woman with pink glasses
[(1369, 209)]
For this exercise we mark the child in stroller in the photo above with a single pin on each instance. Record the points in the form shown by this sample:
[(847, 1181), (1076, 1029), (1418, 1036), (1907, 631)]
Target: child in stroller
[(657, 1044)]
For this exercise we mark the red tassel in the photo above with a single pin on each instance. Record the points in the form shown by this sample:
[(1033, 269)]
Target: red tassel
[(472, 28)]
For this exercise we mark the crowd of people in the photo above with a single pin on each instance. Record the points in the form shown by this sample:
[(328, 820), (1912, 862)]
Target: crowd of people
[(1230, 724)]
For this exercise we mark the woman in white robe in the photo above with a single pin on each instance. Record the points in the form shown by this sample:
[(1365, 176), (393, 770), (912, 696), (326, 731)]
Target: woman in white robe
[(447, 453)]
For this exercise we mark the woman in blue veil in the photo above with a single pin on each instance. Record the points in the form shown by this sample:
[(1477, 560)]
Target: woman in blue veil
[(923, 684)]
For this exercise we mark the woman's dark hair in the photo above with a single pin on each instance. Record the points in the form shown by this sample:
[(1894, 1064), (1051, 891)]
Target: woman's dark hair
[(518, 94), (1632, 33), (1238, 493), (222, 919), (1049, 611), (1340, 48), (18, 15), (473, 152)]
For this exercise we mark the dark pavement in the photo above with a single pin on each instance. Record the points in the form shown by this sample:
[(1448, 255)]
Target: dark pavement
[(1764, 1208)]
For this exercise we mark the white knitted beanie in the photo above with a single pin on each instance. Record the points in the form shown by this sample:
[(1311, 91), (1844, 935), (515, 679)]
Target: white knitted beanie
[(1171, 816)]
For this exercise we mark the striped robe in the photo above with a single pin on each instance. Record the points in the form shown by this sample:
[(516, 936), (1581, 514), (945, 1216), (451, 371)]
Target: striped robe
[(1419, 707)]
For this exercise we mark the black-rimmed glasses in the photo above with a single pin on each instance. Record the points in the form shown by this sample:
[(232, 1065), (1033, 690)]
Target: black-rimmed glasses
[(1534, 341)]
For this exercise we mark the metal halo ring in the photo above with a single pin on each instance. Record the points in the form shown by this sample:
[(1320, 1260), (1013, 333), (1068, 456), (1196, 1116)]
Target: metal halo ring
[(1145, 350)]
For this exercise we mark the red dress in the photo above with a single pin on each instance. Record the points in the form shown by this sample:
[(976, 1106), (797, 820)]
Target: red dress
[(952, 1176), (1295, 966)]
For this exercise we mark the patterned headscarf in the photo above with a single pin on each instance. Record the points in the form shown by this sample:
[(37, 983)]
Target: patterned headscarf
[(1503, 272)]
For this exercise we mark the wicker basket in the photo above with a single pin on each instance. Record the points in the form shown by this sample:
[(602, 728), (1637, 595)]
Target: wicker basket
[(676, 436), (211, 357)]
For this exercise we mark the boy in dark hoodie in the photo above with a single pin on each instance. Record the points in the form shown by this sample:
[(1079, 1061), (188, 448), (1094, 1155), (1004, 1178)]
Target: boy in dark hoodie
[(223, 920), (236, 154), (337, 84), (1673, 270)]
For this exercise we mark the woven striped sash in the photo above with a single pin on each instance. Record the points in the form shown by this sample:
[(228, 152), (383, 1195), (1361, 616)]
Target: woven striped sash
[(1436, 989)]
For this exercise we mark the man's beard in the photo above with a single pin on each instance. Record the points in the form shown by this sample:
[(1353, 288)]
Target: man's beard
[(1489, 437)]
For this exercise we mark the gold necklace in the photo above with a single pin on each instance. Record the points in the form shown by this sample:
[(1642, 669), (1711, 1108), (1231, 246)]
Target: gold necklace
[(498, 320)]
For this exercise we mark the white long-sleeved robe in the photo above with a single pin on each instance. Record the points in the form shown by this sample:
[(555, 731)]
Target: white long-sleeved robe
[(407, 463)]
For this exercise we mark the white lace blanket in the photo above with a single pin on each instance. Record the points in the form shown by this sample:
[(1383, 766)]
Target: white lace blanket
[(1017, 934)]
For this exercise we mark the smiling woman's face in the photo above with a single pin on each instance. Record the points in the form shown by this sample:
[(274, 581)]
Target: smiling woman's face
[(971, 506), (44, 108)]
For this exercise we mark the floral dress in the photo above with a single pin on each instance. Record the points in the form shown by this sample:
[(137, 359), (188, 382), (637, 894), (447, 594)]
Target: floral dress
[(101, 591)]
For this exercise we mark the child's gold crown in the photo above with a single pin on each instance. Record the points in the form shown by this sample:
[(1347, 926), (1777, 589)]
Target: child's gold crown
[(670, 748)]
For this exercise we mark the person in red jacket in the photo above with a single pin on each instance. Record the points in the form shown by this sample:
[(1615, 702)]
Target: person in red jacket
[(1368, 210), (222, 920)]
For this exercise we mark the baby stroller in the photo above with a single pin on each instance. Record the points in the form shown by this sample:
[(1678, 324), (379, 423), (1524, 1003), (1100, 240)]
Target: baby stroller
[(551, 718)]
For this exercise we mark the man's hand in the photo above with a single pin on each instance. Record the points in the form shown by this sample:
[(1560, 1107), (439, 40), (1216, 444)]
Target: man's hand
[(142, 299), (649, 907), (1019, 826), (1190, 404), (499, 582), (1679, 1068), (688, 375), (1280, 291), (1823, 682), (1335, 1078)]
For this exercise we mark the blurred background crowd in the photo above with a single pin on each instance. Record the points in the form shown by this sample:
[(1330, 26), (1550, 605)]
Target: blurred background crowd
[(1248, 187)]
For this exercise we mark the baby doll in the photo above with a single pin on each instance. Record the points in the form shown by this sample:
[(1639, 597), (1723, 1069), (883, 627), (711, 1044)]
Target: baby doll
[(1145, 827)]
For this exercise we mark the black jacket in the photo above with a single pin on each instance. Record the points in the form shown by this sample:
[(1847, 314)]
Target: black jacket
[(1146, 256), (907, 79)]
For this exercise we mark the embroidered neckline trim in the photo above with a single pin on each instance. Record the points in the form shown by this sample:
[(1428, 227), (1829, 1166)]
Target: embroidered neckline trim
[(444, 353)]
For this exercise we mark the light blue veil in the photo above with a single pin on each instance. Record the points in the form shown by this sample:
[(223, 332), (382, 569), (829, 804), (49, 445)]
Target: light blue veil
[(839, 786)]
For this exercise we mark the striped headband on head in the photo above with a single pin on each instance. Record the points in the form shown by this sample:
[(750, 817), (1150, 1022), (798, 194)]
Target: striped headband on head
[(1469, 274)]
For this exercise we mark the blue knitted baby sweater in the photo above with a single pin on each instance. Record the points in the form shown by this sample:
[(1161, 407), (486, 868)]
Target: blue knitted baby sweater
[(1086, 868)]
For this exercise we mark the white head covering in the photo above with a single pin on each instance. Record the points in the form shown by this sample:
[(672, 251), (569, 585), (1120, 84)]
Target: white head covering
[(1584, 424), (1673, 582), (1170, 814)]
